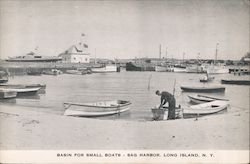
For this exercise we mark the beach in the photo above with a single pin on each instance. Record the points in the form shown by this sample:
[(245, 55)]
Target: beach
[(24, 129)]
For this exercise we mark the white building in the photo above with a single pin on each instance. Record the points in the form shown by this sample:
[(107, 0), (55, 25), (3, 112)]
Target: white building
[(76, 54)]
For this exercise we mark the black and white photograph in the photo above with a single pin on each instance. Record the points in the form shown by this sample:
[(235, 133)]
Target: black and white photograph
[(124, 81)]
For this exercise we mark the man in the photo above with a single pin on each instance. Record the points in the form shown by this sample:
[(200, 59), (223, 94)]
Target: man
[(167, 97)]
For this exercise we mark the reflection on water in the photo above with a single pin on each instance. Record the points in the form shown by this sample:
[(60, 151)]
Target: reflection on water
[(131, 86)]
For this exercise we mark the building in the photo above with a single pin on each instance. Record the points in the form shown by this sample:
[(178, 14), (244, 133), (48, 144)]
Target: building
[(76, 54)]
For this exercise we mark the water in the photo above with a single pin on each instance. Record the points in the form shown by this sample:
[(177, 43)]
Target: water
[(134, 86)]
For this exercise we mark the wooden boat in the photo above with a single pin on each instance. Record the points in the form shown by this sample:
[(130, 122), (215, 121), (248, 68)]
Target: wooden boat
[(105, 69), (74, 72), (132, 66), (34, 72), (205, 109), (5, 94), (179, 70), (52, 72), (198, 99), (22, 91), (96, 109), (6, 86), (236, 82), (216, 69), (203, 89), (161, 68)]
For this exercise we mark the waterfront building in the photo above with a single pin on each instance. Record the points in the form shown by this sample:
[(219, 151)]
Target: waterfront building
[(76, 54)]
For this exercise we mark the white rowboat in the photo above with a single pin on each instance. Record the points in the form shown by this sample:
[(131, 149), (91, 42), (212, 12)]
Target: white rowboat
[(95, 109), (198, 99), (205, 109)]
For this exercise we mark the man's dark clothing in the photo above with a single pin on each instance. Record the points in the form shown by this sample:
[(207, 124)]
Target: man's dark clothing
[(167, 97)]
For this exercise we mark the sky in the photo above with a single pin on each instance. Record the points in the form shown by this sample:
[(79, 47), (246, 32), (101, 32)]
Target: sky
[(127, 29)]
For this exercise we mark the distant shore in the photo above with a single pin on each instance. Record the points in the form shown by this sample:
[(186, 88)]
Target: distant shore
[(22, 128)]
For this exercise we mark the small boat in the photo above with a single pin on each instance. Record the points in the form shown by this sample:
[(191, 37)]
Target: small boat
[(216, 69), (5, 94), (179, 70), (105, 69), (159, 68), (207, 89), (213, 107), (198, 99), (6, 86), (236, 82), (52, 72), (95, 109), (206, 78), (74, 72), (22, 91)]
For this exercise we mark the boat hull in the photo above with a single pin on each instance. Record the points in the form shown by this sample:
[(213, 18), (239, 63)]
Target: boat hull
[(199, 99), (96, 109), (205, 109), (236, 82), (106, 69), (203, 89), (23, 91)]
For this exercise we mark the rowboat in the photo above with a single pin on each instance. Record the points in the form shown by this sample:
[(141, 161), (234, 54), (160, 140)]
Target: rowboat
[(22, 91), (5, 94), (52, 72), (203, 89), (205, 109), (95, 109), (198, 99), (74, 72), (6, 86), (236, 82)]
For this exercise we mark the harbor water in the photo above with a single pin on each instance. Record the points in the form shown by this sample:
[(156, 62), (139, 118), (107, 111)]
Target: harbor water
[(137, 87)]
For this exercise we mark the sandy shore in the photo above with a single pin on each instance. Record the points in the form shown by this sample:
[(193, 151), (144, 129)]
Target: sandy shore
[(25, 129)]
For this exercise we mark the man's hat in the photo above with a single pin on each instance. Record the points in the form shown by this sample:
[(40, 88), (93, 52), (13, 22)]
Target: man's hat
[(157, 92)]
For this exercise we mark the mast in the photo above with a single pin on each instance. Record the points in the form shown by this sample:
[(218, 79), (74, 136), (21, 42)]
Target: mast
[(216, 53), (95, 56), (166, 52), (160, 51)]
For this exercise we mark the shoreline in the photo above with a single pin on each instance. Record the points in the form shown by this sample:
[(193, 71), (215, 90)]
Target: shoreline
[(24, 129)]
